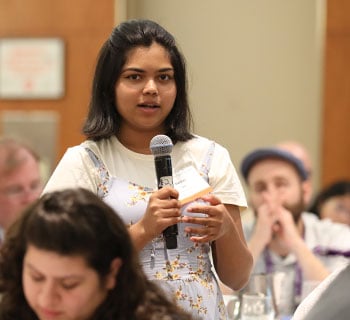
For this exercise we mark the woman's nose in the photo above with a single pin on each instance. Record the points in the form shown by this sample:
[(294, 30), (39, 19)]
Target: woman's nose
[(150, 87), (48, 296)]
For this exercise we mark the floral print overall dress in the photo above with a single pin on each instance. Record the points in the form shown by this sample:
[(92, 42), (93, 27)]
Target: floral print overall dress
[(185, 272)]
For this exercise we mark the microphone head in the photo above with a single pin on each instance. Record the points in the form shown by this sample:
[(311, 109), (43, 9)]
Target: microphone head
[(161, 145)]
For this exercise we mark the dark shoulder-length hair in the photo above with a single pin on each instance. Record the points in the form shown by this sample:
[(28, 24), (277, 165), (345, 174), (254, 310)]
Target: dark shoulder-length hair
[(336, 189), (76, 222), (103, 119)]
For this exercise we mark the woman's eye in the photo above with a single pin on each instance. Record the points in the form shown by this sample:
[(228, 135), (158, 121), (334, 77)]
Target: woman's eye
[(134, 77), (165, 77), (69, 286), (37, 278)]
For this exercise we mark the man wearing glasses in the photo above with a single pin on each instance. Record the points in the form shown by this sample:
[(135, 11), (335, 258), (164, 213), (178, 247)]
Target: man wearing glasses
[(20, 180)]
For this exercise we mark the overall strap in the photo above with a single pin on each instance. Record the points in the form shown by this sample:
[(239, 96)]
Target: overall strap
[(102, 172), (206, 163)]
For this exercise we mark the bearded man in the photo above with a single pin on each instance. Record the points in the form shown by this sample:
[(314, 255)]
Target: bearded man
[(283, 238)]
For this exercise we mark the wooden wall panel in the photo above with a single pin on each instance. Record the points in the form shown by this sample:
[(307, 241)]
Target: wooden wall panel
[(338, 19), (336, 114), (83, 25)]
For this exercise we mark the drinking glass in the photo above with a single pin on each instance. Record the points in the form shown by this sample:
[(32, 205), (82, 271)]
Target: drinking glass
[(279, 286), (257, 306), (232, 303)]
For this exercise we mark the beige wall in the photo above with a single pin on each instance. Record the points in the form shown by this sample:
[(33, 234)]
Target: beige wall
[(254, 67)]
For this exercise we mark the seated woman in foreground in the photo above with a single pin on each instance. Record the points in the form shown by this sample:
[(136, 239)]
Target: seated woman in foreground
[(69, 256)]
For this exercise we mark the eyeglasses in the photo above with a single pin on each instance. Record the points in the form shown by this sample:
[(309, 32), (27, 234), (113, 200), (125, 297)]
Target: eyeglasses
[(338, 205), (341, 208), (17, 191)]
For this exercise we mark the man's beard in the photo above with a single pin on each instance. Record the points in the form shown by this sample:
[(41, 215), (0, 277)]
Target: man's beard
[(296, 209)]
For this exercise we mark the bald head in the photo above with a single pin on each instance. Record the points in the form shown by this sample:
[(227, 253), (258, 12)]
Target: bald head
[(13, 153), (300, 152)]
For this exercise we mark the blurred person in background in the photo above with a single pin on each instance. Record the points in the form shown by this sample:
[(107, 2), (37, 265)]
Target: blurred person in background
[(329, 300), (333, 202), (299, 151), (20, 179), (283, 237)]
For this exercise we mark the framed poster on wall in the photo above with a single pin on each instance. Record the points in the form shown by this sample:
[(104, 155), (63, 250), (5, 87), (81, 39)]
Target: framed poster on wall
[(31, 68)]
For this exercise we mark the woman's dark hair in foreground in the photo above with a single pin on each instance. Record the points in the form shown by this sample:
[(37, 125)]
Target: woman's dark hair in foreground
[(103, 118), (336, 189), (76, 222)]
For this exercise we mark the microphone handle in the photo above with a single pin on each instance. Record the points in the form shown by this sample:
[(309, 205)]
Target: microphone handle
[(165, 178)]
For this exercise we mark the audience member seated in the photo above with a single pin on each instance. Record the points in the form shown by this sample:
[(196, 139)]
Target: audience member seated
[(20, 180), (283, 237), (329, 301), (300, 152), (333, 202), (69, 256)]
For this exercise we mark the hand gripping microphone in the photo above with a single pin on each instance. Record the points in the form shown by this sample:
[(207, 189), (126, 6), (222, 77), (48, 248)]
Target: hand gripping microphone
[(161, 147)]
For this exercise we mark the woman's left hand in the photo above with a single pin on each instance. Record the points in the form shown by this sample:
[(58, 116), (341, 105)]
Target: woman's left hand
[(217, 222)]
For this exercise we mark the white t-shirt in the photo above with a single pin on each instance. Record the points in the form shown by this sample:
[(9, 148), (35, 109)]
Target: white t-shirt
[(77, 169)]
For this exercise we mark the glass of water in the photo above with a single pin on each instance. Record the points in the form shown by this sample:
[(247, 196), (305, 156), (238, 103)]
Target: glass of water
[(257, 306)]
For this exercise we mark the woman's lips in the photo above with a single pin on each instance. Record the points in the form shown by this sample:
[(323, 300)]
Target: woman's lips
[(148, 106), (50, 314)]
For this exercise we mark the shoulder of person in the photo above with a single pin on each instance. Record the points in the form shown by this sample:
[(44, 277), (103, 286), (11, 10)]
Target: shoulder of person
[(333, 302), (309, 302), (200, 143), (99, 147)]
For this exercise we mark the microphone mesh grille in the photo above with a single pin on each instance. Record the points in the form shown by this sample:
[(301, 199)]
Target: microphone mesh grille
[(161, 145)]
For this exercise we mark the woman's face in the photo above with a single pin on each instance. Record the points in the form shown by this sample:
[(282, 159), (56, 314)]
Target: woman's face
[(337, 209), (61, 287), (145, 90)]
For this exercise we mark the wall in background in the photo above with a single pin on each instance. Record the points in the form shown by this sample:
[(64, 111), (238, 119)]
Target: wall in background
[(255, 68), (336, 115), (83, 25)]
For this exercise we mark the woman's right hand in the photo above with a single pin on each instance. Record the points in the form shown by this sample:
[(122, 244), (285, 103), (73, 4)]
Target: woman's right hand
[(163, 210)]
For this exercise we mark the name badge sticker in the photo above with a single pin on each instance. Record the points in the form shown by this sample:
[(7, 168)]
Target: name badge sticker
[(190, 185)]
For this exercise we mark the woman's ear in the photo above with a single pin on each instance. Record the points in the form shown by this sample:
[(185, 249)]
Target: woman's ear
[(111, 279)]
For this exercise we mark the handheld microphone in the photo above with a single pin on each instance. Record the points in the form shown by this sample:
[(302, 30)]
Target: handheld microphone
[(161, 147)]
